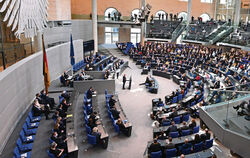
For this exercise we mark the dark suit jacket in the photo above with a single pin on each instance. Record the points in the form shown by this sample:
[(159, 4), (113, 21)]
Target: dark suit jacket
[(172, 129), (89, 94), (97, 135), (124, 79), (170, 146), (154, 147), (115, 113), (173, 114)]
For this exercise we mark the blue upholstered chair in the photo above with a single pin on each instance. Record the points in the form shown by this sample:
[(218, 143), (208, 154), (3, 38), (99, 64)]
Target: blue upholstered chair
[(157, 154), (171, 153), (23, 147), (91, 139), (209, 143), (198, 147), (174, 134), (177, 120), (185, 132), (196, 129), (17, 153)]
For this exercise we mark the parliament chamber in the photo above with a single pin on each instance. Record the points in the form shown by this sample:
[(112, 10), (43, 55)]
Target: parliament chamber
[(119, 79)]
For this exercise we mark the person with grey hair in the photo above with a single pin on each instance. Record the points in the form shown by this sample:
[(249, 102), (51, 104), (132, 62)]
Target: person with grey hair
[(55, 151)]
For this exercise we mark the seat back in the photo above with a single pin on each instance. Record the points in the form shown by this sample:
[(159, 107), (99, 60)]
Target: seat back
[(50, 154), (174, 134), (166, 123), (117, 129), (157, 154), (22, 136), (16, 152), (185, 117), (179, 97), (171, 153), (174, 99), (196, 129), (91, 139), (198, 147), (88, 129), (186, 151), (19, 143), (177, 120), (209, 143), (185, 132)]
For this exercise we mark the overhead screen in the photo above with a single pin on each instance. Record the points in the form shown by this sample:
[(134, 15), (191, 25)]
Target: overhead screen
[(88, 46)]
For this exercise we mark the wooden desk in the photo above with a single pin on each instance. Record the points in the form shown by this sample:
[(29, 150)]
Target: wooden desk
[(123, 116), (70, 130), (181, 112), (104, 135)]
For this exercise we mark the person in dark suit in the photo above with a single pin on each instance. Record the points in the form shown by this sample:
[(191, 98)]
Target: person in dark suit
[(47, 99), (205, 136), (97, 134), (122, 127), (173, 114), (55, 150), (192, 124), (65, 105), (94, 117), (197, 139), (154, 147), (124, 79), (183, 127), (115, 113), (186, 144), (59, 141), (112, 101), (170, 145), (90, 92), (172, 128), (65, 95)]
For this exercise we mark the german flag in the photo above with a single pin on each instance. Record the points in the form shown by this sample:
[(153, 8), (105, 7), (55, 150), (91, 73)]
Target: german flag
[(45, 68)]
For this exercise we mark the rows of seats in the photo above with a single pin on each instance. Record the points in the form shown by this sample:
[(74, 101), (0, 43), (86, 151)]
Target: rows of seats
[(27, 136), (241, 36), (161, 29), (200, 30), (88, 109), (116, 127), (169, 153), (78, 66)]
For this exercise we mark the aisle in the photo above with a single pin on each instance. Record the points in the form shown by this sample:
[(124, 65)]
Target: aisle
[(137, 104)]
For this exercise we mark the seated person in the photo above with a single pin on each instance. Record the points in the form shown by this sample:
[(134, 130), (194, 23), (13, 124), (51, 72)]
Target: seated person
[(184, 126), (173, 114), (192, 124), (186, 144), (115, 113), (172, 128), (170, 145), (38, 109), (65, 95), (154, 147), (205, 136), (197, 139), (97, 134), (90, 93), (121, 126), (64, 79), (112, 101), (91, 123), (47, 99), (61, 143), (65, 105), (57, 152), (94, 116), (164, 121)]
